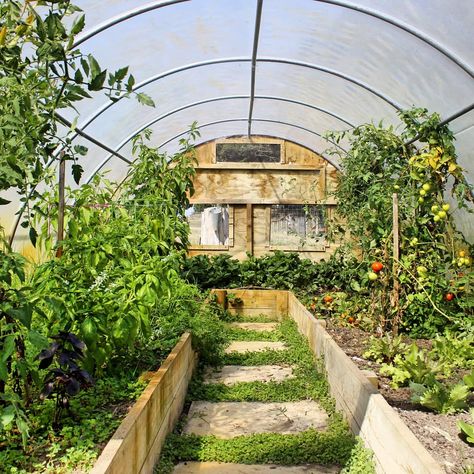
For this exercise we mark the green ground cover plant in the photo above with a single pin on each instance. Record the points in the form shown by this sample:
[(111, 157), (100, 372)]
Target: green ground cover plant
[(307, 383), (334, 446), (91, 419)]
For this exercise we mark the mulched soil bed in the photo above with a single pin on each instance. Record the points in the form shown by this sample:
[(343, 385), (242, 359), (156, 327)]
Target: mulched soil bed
[(438, 433)]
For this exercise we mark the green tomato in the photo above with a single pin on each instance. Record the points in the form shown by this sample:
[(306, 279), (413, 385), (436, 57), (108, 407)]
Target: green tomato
[(441, 214), (436, 218), (434, 209), (446, 207), (421, 269), (396, 187), (427, 186), (422, 192), (372, 276), (421, 200), (413, 241)]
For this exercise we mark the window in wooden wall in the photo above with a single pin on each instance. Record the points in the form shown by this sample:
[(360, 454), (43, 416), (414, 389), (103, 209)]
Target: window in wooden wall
[(295, 226), (210, 225)]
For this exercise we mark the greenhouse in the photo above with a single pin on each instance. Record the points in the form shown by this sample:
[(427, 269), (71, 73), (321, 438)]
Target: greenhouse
[(236, 236)]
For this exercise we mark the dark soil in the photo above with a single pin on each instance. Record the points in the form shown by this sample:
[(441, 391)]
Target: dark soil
[(438, 433)]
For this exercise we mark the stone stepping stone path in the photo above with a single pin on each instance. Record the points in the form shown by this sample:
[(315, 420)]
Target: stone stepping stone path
[(227, 420), (230, 419), (232, 374), (225, 468), (264, 327), (254, 346)]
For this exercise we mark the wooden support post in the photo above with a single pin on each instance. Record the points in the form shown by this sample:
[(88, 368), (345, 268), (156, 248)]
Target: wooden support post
[(221, 298), (61, 204), (395, 300), (250, 229)]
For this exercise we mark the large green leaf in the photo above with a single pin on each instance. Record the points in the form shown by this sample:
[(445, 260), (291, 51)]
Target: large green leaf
[(467, 429), (8, 347), (23, 314), (7, 415)]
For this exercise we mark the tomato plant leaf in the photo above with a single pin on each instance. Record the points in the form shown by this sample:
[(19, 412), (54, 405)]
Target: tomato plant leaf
[(145, 99), (78, 25), (98, 81), (77, 172)]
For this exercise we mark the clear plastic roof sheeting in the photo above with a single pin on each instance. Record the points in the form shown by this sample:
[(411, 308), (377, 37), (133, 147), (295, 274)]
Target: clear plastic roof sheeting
[(287, 68)]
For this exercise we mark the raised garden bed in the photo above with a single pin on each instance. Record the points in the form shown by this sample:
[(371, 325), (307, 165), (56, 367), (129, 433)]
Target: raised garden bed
[(135, 448), (395, 447), (136, 445), (437, 432)]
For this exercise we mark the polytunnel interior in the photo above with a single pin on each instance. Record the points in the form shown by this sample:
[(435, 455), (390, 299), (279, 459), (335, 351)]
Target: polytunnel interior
[(236, 236), (288, 69)]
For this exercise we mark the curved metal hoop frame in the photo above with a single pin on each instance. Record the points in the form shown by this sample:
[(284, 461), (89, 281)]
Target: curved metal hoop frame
[(161, 117), (154, 5)]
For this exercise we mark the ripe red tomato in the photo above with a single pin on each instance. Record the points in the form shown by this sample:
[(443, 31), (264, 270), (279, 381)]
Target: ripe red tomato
[(328, 299), (350, 320), (377, 266), (449, 296)]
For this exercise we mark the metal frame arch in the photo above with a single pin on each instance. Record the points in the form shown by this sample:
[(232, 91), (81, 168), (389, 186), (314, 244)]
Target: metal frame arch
[(167, 114), (333, 72), (154, 5), (217, 122), (105, 25), (171, 72), (405, 27), (129, 138)]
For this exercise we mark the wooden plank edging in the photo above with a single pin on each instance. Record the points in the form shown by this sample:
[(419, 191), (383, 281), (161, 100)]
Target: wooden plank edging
[(256, 301), (396, 449), (136, 444)]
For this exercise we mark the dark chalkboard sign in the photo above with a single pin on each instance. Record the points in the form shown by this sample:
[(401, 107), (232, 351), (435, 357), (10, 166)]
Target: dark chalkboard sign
[(248, 152)]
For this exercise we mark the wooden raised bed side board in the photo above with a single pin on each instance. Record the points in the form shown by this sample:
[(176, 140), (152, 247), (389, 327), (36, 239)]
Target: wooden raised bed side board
[(396, 449), (136, 445)]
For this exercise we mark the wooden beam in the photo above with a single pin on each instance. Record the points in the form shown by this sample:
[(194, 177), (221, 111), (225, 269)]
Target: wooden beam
[(250, 229)]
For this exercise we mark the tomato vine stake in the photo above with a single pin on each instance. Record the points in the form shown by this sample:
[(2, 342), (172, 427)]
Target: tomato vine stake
[(396, 256), (61, 203)]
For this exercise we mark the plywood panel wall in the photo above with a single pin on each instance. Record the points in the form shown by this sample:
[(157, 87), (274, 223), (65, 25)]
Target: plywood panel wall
[(302, 177)]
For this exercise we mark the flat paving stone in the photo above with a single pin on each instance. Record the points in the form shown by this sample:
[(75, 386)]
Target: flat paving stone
[(254, 346), (264, 327), (230, 419), (232, 374), (227, 468)]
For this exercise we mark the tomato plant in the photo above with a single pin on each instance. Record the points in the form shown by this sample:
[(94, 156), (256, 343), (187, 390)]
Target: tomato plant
[(410, 295), (40, 74)]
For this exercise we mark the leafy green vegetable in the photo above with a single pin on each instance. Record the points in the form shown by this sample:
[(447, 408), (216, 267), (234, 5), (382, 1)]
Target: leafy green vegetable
[(467, 428), (441, 398), (415, 365)]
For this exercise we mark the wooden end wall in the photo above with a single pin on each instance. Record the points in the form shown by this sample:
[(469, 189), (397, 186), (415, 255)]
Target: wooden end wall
[(250, 189)]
